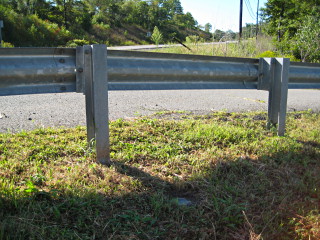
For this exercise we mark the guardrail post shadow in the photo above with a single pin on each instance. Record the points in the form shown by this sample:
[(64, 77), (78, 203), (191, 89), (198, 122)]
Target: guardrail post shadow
[(278, 94), (93, 58)]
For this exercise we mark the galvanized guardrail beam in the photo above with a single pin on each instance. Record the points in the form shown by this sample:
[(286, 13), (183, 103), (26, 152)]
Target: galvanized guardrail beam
[(304, 75), (154, 71), (37, 70), (94, 71)]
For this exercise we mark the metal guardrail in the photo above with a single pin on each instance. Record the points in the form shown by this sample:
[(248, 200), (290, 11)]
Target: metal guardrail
[(37, 70), (93, 71)]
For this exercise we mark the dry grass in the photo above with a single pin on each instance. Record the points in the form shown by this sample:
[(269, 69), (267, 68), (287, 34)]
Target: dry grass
[(240, 181)]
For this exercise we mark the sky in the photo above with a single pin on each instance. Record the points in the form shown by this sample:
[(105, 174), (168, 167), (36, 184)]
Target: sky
[(221, 14)]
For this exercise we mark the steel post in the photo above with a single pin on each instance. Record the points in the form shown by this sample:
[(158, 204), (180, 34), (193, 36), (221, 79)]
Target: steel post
[(92, 80), (88, 91), (278, 94), (100, 102)]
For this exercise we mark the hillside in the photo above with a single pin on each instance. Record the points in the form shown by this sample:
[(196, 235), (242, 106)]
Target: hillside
[(114, 22)]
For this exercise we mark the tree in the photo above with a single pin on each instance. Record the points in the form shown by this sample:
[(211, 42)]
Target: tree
[(189, 21), (294, 23), (218, 34), (230, 35), (308, 39), (207, 27), (285, 16), (156, 36)]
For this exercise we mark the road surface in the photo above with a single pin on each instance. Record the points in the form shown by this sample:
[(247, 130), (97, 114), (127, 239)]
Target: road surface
[(26, 112)]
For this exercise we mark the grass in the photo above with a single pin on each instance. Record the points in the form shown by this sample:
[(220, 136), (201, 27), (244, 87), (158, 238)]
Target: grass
[(250, 48), (240, 180)]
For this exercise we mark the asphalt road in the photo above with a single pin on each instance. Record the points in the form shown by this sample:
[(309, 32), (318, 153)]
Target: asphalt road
[(26, 112)]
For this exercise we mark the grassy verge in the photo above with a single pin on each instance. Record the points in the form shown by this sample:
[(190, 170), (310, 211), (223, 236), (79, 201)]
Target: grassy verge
[(220, 176), (250, 48)]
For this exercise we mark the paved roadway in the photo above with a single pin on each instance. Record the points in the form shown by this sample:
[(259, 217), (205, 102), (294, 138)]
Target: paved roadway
[(149, 47), (68, 109)]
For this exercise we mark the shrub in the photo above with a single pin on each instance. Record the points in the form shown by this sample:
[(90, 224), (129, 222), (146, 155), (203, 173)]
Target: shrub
[(7, 44), (128, 43), (308, 40), (267, 54), (156, 36), (77, 42), (192, 39)]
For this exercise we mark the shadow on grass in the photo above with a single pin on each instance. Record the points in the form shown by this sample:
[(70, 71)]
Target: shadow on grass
[(244, 198)]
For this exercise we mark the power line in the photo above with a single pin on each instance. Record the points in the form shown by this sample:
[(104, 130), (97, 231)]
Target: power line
[(249, 8), (249, 4)]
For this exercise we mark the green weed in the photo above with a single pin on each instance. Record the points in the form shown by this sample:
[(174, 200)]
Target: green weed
[(240, 180)]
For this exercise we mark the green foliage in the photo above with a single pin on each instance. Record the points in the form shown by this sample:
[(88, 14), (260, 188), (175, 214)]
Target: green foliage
[(267, 54), (207, 27), (7, 45), (227, 166), (27, 30), (77, 42), (129, 43), (220, 35), (295, 23), (156, 36), (55, 23), (193, 39), (307, 39), (250, 48)]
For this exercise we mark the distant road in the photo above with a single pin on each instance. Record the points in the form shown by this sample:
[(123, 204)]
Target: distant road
[(149, 47), (68, 109), (142, 47)]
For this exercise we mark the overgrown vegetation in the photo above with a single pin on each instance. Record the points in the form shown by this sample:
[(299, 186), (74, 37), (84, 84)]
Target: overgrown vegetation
[(220, 176), (250, 48), (112, 22), (295, 24)]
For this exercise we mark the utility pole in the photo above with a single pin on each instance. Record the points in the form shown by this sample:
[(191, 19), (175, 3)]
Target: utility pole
[(240, 20), (257, 26)]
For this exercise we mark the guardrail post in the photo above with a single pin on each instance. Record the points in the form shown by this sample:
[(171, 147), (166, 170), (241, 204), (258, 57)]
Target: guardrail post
[(96, 92), (278, 94), (88, 91)]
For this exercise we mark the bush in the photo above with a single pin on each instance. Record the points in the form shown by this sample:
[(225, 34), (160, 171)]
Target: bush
[(307, 40), (267, 54), (128, 43), (31, 31), (156, 36), (192, 39), (7, 44), (77, 42)]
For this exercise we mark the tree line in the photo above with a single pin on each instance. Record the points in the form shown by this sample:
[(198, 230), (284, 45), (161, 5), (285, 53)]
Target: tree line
[(56, 22), (295, 25)]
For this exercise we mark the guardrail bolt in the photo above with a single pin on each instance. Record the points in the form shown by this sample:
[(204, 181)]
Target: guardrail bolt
[(80, 70), (61, 60)]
